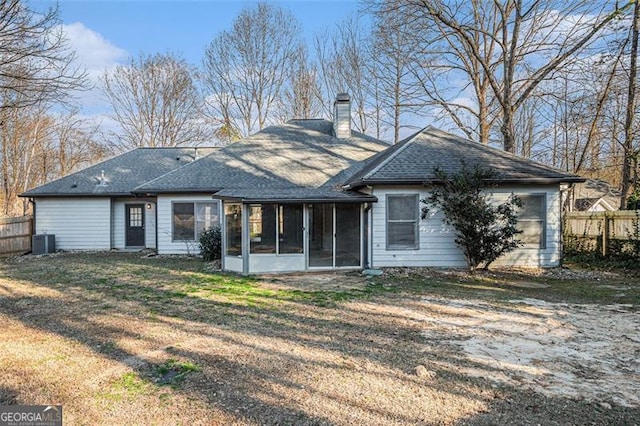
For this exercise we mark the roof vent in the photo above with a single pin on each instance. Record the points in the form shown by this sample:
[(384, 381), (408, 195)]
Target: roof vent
[(342, 116), (102, 179)]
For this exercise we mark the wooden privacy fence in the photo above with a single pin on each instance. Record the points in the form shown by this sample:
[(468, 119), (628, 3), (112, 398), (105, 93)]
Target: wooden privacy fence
[(603, 227), (15, 235)]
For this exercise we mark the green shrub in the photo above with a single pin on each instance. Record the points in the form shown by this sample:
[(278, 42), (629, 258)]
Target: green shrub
[(483, 230), (210, 243)]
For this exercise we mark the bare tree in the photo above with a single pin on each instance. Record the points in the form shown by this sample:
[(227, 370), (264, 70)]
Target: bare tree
[(247, 68), (344, 64), (37, 146), (35, 62), (21, 138), (392, 63), (630, 164), (155, 101), (301, 96), (507, 46), (73, 144)]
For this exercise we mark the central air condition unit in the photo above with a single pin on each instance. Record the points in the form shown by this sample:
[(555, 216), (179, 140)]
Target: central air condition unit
[(43, 243)]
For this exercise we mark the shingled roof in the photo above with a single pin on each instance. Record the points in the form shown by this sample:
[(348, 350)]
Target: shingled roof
[(120, 175), (298, 160), (414, 160)]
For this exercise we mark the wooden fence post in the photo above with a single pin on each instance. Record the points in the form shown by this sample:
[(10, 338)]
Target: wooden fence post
[(605, 235)]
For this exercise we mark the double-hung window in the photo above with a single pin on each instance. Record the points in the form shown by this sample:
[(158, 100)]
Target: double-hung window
[(191, 218), (402, 222), (532, 220)]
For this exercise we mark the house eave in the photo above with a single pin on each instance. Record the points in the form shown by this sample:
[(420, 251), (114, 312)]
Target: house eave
[(412, 181), (154, 192), (77, 195), (273, 200)]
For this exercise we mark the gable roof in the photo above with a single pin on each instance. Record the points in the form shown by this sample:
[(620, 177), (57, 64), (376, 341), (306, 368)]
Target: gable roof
[(596, 191), (413, 161), (299, 160), (588, 204), (122, 174)]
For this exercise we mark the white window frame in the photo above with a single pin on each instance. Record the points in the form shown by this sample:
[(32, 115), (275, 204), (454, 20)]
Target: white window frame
[(195, 218), (543, 206), (415, 221)]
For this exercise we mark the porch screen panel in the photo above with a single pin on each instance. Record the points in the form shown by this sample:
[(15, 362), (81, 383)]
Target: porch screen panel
[(290, 228), (233, 229), (348, 234), (321, 235), (262, 228)]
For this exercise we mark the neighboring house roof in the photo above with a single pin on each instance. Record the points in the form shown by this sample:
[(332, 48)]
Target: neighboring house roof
[(596, 192), (593, 204), (120, 175), (300, 160), (414, 160)]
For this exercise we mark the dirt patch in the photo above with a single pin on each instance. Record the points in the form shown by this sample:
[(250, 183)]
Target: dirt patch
[(528, 284), (585, 352), (326, 281)]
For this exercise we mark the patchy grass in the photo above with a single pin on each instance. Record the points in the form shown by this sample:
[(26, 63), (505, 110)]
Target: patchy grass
[(129, 385), (122, 338), (575, 285), (173, 371)]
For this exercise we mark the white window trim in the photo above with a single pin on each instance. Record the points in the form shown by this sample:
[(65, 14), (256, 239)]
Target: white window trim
[(195, 217), (416, 221), (543, 244)]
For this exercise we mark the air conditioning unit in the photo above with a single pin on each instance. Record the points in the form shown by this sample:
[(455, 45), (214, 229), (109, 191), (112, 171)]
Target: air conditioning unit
[(43, 243)]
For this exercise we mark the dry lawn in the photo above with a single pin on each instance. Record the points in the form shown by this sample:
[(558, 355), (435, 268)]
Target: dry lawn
[(127, 339)]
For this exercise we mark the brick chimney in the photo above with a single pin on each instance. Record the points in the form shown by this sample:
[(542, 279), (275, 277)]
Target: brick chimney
[(342, 116)]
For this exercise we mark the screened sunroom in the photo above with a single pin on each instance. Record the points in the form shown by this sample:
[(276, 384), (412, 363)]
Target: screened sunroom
[(293, 236)]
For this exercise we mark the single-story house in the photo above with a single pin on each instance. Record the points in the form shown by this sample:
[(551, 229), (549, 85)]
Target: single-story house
[(304, 195)]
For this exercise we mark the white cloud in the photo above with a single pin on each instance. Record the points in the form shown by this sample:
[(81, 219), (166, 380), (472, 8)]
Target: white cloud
[(94, 52)]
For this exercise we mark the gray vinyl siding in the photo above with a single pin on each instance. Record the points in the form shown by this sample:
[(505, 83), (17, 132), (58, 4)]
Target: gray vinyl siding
[(77, 223), (118, 215), (436, 240), (551, 254), (150, 225)]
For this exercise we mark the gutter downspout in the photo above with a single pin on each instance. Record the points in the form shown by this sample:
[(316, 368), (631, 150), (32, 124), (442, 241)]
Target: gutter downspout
[(156, 224), (561, 242), (33, 221)]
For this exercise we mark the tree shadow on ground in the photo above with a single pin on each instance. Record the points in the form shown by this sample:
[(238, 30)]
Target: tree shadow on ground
[(266, 356)]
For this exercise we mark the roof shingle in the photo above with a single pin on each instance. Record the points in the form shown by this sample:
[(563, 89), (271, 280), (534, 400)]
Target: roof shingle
[(122, 174), (300, 158), (415, 159)]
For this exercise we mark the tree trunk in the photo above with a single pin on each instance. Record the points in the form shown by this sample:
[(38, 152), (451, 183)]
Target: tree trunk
[(628, 125), (508, 137)]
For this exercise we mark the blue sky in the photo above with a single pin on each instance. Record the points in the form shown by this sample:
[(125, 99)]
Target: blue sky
[(186, 27), (104, 33)]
